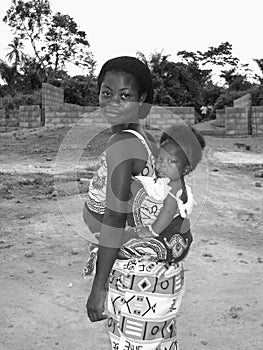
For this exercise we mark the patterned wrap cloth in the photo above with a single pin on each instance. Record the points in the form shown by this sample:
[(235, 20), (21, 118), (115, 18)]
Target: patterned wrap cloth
[(143, 300), (146, 288)]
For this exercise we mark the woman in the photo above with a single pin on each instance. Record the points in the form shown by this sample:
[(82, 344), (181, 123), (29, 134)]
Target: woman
[(143, 296)]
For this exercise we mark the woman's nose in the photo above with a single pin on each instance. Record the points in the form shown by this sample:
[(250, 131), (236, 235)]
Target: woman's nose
[(115, 99)]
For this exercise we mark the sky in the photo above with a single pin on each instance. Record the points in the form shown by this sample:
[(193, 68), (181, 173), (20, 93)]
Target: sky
[(119, 27)]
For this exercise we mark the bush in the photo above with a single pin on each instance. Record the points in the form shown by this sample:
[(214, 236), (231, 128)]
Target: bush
[(226, 99), (20, 99), (257, 96)]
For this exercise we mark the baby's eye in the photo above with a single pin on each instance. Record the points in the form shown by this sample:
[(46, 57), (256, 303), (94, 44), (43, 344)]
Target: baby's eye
[(172, 161)]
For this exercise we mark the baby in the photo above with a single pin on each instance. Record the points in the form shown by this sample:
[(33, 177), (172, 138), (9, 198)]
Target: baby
[(162, 204)]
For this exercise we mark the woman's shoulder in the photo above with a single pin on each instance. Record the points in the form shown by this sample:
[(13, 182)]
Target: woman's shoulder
[(119, 136), (124, 146), (135, 138)]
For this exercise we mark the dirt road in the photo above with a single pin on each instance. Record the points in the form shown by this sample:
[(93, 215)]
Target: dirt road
[(43, 249)]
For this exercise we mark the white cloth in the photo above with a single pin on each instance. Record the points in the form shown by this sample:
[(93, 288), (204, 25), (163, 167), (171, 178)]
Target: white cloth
[(159, 190), (156, 188), (185, 209)]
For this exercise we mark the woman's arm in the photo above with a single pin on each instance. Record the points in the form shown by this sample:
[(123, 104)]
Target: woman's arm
[(120, 158)]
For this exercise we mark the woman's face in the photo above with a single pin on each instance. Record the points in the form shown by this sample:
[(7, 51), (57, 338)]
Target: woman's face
[(119, 98)]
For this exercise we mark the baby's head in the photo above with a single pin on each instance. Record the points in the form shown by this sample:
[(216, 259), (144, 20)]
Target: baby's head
[(180, 151), (136, 72)]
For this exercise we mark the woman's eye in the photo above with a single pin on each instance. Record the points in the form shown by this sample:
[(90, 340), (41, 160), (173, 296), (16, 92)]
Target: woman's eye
[(105, 93), (125, 96)]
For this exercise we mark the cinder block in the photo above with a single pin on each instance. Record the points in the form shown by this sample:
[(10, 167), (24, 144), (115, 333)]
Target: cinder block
[(230, 132)]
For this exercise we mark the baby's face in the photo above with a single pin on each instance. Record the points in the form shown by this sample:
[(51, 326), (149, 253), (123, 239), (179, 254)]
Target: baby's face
[(170, 162)]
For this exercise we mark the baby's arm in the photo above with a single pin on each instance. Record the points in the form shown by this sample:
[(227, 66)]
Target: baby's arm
[(168, 211)]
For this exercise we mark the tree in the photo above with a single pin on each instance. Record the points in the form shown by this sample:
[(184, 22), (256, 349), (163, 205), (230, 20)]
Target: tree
[(15, 54), (174, 83), (260, 66), (55, 39), (8, 74), (65, 43), (219, 56), (81, 90), (33, 74)]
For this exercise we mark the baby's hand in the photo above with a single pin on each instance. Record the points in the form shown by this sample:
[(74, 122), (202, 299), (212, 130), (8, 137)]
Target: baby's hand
[(144, 232)]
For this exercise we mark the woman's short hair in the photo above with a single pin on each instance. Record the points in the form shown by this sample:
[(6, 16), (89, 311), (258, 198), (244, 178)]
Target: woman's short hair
[(139, 70)]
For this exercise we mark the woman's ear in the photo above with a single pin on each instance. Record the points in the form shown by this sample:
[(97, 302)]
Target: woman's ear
[(143, 98)]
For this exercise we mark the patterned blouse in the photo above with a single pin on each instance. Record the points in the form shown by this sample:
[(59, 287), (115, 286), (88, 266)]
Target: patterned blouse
[(96, 199)]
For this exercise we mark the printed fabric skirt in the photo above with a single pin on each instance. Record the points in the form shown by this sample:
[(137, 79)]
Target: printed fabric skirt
[(143, 300)]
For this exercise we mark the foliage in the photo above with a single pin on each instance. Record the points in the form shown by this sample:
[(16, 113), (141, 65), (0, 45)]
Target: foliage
[(260, 65), (172, 82), (235, 79), (219, 56), (9, 74), (54, 38), (226, 99), (13, 102), (79, 90), (257, 95), (57, 41), (16, 52)]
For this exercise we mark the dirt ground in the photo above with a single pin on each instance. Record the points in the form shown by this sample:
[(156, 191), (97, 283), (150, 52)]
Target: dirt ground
[(43, 245)]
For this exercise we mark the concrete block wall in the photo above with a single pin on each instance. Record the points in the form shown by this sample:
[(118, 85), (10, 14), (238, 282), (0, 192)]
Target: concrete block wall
[(242, 119), (236, 121), (257, 120), (12, 118), (2, 118), (160, 117), (9, 119), (220, 117), (244, 101), (52, 95), (29, 116), (69, 115)]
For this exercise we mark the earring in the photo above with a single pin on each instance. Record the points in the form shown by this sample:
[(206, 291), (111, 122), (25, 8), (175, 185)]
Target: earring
[(187, 170)]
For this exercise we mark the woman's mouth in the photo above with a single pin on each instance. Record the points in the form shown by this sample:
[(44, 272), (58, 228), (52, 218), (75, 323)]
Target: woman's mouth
[(113, 113)]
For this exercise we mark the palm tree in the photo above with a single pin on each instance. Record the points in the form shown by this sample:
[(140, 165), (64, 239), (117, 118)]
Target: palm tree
[(16, 52)]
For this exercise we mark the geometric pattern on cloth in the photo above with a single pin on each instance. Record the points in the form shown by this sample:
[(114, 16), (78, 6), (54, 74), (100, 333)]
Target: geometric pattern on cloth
[(124, 343), (149, 284), (144, 306), (148, 330), (145, 248), (143, 300), (96, 197)]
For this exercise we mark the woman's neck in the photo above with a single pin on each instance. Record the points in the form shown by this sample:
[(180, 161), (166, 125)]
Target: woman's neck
[(121, 127)]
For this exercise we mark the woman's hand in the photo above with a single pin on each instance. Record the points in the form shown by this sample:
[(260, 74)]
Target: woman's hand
[(95, 304)]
